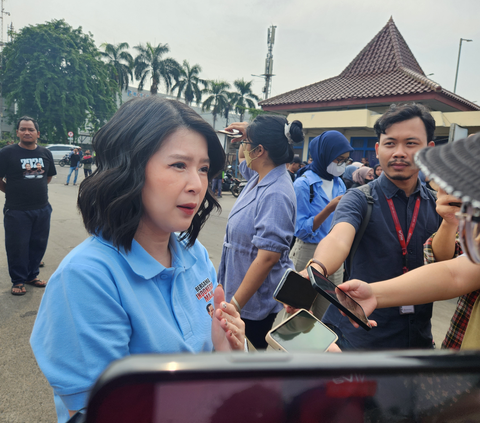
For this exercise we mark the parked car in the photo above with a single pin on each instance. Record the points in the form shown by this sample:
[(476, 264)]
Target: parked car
[(59, 150)]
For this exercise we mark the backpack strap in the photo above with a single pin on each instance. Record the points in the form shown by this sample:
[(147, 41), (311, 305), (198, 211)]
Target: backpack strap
[(366, 189), (312, 194)]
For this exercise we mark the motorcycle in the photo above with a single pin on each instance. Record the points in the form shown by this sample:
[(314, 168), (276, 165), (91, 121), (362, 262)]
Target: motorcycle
[(228, 179), (237, 186), (66, 161)]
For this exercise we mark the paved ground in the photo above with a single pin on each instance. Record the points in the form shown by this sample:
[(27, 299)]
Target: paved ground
[(25, 395)]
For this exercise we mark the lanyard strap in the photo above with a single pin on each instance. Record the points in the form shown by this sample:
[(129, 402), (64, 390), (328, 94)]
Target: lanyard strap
[(398, 228)]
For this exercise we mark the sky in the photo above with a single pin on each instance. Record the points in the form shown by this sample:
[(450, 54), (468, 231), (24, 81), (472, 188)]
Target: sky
[(315, 39)]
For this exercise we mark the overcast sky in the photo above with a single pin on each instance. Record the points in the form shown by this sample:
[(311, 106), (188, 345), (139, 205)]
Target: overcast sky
[(315, 39)]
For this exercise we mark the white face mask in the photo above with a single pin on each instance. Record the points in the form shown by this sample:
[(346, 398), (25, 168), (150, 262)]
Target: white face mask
[(335, 169)]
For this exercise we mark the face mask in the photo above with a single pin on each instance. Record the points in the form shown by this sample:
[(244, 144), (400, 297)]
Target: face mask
[(249, 158), (335, 169)]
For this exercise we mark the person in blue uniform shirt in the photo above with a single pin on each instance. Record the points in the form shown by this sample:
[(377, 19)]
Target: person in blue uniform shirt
[(141, 282), (260, 226)]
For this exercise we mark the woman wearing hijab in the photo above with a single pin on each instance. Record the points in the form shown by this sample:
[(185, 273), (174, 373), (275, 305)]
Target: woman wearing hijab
[(347, 176), (362, 176), (319, 188), (377, 171)]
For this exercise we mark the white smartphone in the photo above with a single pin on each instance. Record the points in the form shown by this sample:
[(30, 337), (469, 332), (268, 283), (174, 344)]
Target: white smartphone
[(234, 133), (301, 332)]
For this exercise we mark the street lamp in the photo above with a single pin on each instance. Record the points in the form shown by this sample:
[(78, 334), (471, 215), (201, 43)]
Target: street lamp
[(458, 61)]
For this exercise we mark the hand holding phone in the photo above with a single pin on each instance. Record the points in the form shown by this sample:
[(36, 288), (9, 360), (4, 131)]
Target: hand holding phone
[(338, 298), (295, 291), (301, 332)]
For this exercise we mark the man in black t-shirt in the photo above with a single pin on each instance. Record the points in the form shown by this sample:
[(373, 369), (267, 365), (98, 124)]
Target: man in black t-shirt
[(25, 170)]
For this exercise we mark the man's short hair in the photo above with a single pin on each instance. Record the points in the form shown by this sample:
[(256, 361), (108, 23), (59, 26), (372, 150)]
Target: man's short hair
[(401, 112), (296, 159), (28, 118)]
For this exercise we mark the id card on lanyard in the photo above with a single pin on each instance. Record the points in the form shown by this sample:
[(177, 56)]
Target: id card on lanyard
[(404, 243)]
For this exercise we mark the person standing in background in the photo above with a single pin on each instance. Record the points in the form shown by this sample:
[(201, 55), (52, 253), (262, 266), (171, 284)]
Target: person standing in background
[(27, 210)]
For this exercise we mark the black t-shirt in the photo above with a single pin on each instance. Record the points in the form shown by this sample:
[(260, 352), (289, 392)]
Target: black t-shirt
[(26, 181), (74, 159)]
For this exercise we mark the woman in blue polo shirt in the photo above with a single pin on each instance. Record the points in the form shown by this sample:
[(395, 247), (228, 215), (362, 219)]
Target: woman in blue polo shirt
[(141, 283)]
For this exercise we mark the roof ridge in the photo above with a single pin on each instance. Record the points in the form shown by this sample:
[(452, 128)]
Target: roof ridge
[(422, 79)]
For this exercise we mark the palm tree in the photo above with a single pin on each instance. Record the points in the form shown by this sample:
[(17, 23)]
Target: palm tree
[(120, 61), (149, 64), (218, 98), (187, 82), (244, 97)]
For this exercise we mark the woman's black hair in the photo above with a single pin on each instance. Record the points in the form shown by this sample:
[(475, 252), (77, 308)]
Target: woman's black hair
[(111, 199), (269, 131)]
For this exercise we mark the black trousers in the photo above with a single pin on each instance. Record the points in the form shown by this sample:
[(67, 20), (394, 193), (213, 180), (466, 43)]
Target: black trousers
[(256, 330), (26, 238)]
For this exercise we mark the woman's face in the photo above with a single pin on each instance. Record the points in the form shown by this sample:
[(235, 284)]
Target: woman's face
[(176, 180), (369, 176), (378, 170)]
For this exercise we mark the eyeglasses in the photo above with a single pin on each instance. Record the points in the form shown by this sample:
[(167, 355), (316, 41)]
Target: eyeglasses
[(469, 230), (246, 142), (341, 162)]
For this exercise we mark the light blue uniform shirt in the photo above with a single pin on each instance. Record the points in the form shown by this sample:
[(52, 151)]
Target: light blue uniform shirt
[(263, 217), (101, 305), (307, 211)]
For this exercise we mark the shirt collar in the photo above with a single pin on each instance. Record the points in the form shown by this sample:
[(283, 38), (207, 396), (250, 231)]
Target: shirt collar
[(390, 189), (273, 175), (144, 265)]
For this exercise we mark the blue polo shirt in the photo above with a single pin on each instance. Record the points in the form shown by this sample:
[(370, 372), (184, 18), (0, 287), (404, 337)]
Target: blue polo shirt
[(102, 304), (379, 257)]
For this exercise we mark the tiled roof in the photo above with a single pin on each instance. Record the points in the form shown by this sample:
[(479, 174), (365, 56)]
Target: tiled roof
[(385, 67)]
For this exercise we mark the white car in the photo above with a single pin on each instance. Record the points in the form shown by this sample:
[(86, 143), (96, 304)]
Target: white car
[(59, 150)]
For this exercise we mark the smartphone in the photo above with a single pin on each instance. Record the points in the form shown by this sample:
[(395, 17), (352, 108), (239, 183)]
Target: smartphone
[(295, 291), (301, 332), (234, 133), (338, 298)]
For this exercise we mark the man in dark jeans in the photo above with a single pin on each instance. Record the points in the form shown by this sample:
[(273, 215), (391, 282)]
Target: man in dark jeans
[(27, 211)]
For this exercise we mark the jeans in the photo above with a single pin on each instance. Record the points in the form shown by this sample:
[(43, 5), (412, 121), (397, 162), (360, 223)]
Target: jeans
[(87, 172), (26, 238), (76, 175), (217, 186)]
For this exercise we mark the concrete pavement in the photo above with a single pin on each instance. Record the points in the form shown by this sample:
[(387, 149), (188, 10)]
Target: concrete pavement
[(25, 395)]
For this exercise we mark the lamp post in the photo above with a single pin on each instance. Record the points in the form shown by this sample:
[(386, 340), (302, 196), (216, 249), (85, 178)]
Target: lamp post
[(458, 61)]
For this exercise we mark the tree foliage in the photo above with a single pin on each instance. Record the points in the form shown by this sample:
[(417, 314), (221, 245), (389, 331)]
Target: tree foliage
[(218, 99), (53, 73), (188, 83), (120, 63), (244, 97), (150, 65)]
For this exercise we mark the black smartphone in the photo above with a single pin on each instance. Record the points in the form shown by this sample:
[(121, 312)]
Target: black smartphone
[(301, 332), (295, 291), (338, 298)]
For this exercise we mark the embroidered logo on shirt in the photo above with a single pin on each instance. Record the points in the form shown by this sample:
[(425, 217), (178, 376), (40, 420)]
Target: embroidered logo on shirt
[(205, 290)]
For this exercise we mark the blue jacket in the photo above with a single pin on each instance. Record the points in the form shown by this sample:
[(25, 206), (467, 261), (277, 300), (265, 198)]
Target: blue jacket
[(306, 210)]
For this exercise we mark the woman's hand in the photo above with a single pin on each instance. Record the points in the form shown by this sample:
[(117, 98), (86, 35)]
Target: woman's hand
[(228, 329), (363, 294), (239, 126)]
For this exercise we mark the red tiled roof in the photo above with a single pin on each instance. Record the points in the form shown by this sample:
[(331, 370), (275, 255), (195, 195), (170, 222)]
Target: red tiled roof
[(385, 67)]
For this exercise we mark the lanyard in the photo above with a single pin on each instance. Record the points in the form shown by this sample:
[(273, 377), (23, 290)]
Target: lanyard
[(401, 237)]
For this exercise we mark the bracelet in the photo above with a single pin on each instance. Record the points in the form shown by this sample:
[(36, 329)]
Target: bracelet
[(325, 273), (235, 303)]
